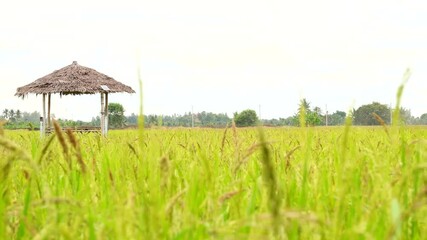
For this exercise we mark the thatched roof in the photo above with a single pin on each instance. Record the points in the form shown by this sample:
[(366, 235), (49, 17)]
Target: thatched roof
[(74, 79)]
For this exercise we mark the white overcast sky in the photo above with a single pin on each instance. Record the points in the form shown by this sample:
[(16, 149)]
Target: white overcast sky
[(219, 56)]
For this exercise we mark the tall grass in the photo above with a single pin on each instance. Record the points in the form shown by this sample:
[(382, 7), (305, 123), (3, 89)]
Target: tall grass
[(294, 183)]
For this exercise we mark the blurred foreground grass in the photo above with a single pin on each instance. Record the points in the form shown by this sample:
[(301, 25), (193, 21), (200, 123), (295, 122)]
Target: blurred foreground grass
[(292, 183)]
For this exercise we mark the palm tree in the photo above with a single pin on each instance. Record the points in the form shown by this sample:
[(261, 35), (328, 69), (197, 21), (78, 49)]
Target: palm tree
[(317, 110), (11, 114), (18, 114), (6, 113), (304, 104)]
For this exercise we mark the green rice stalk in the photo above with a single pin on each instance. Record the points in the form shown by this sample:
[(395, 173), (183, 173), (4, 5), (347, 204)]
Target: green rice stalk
[(75, 144), (224, 137), (398, 217), (247, 154), (348, 123), (228, 195), (45, 232), (13, 147), (302, 115), (1, 127), (62, 141), (396, 112), (270, 181), (236, 142), (132, 149), (382, 123), (288, 157), (27, 200), (45, 148), (173, 201), (164, 171)]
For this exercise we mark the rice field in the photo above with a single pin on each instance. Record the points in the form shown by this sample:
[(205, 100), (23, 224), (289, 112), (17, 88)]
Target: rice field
[(249, 183)]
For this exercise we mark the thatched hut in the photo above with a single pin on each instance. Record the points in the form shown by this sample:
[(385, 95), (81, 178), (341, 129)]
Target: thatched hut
[(74, 79)]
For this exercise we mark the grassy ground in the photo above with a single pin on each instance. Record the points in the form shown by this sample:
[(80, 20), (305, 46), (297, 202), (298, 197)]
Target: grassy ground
[(278, 183)]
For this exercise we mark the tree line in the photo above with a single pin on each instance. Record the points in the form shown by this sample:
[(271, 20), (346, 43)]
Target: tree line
[(366, 115), (370, 114)]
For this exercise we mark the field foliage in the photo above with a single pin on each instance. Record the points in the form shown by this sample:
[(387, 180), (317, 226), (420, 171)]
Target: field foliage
[(250, 183)]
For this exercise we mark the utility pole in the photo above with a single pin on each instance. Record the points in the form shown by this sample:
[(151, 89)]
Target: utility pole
[(326, 115), (192, 117)]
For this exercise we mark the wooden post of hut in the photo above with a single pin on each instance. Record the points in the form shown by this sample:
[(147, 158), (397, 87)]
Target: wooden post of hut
[(43, 127), (106, 114), (102, 114), (48, 112), (104, 110), (74, 79)]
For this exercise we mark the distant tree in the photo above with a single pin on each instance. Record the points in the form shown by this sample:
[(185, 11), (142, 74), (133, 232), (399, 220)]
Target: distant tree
[(96, 121), (246, 118), (116, 117), (423, 119), (341, 114), (183, 120), (271, 122), (11, 115), (169, 121), (317, 110), (209, 119), (278, 122), (304, 104), (406, 116), (286, 121), (364, 115), (160, 120), (69, 123), (153, 120), (351, 114), (33, 117), (312, 118), (218, 120), (132, 119), (18, 114), (336, 118), (6, 113), (202, 119)]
